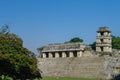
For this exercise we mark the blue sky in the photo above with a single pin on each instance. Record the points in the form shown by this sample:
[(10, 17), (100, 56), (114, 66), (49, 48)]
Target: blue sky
[(41, 22)]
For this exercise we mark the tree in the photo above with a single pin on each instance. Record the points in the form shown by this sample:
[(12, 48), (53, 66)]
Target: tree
[(93, 45), (15, 60), (4, 29), (75, 39), (115, 42)]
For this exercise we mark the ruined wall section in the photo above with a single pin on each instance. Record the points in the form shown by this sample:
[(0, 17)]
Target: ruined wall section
[(84, 67)]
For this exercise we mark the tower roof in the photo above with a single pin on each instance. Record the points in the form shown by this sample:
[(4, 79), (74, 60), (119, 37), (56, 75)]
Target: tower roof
[(104, 29)]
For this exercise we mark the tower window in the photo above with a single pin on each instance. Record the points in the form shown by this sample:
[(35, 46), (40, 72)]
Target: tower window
[(101, 40), (101, 48), (102, 33)]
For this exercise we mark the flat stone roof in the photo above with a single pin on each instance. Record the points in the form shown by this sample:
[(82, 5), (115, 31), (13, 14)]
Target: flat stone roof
[(63, 47)]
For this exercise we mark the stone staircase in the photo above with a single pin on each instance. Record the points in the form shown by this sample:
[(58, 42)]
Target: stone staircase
[(84, 67)]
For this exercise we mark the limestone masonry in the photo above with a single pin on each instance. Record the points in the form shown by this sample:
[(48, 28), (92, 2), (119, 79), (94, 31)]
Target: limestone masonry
[(103, 41), (80, 60)]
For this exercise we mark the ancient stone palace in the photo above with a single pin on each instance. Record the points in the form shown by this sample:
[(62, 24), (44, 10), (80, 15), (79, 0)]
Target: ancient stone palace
[(80, 60), (103, 44), (65, 50)]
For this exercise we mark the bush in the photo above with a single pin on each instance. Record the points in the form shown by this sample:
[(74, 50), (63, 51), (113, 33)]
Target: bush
[(5, 78)]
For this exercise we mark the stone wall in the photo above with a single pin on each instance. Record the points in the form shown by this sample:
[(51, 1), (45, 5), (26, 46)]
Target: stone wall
[(84, 67)]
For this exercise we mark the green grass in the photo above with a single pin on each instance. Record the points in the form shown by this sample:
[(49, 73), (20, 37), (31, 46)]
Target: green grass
[(48, 78)]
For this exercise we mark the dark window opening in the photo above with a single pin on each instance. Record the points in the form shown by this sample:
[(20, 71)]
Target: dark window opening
[(60, 54), (75, 53), (102, 33), (42, 56), (101, 48), (102, 40), (67, 54), (47, 55), (53, 54)]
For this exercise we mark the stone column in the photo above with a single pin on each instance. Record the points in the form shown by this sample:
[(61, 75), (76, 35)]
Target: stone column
[(71, 54), (79, 53), (50, 55), (44, 55), (57, 55), (63, 54)]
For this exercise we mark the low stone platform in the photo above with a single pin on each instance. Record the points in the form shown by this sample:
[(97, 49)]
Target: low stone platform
[(84, 67)]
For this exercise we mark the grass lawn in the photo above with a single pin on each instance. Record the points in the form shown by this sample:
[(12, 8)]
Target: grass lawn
[(47, 78)]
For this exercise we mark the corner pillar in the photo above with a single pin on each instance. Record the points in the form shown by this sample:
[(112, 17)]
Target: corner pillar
[(44, 55), (79, 53)]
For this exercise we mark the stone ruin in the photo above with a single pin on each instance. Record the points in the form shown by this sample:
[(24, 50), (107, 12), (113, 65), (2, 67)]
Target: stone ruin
[(65, 50), (80, 60)]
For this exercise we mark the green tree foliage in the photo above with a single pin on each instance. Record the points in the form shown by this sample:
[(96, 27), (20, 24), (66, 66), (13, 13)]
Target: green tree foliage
[(75, 39), (4, 29), (15, 60), (93, 45), (115, 42), (2, 77)]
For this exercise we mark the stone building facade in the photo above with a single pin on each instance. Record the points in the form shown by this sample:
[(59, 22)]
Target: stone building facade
[(65, 50)]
